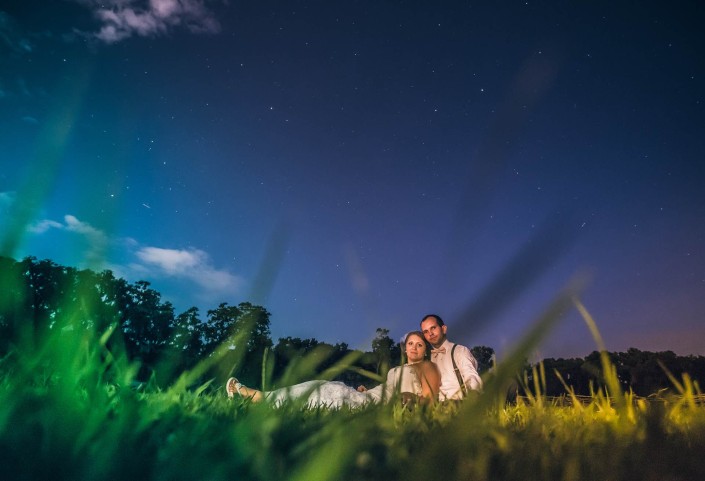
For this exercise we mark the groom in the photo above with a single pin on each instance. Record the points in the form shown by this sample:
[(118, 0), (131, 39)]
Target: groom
[(456, 363)]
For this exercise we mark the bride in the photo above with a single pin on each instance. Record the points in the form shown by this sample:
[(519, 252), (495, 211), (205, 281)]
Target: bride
[(418, 379)]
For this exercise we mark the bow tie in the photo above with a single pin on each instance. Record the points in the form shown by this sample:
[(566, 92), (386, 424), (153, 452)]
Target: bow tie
[(440, 350)]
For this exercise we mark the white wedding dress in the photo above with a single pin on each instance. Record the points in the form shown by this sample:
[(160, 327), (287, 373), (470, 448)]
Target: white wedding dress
[(334, 394)]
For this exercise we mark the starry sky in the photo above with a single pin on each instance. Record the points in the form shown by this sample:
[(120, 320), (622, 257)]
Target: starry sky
[(355, 165)]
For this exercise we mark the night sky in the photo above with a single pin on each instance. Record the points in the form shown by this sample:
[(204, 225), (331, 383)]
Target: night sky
[(355, 165)]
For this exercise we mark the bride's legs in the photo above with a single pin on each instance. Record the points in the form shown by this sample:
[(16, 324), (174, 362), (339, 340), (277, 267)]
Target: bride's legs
[(233, 386)]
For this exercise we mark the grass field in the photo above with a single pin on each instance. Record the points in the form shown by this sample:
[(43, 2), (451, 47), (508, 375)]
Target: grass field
[(70, 409)]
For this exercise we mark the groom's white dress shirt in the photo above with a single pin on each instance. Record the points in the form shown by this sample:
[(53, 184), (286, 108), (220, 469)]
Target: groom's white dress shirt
[(467, 364)]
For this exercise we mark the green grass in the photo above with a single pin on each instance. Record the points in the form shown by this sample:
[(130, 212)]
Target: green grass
[(69, 409)]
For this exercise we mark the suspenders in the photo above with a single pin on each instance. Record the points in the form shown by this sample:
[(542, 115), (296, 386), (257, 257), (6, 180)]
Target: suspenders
[(457, 372)]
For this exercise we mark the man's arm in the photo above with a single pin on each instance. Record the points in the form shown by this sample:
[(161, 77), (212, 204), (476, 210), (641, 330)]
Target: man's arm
[(467, 364)]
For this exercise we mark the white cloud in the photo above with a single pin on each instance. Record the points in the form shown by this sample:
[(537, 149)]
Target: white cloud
[(121, 19), (96, 239), (71, 224), (7, 198), (190, 264), (44, 225), (75, 225), (172, 261), (188, 267)]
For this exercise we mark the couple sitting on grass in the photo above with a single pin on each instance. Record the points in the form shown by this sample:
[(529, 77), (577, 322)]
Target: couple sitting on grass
[(445, 372)]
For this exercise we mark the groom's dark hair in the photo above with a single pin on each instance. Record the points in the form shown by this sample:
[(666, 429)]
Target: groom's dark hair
[(436, 317)]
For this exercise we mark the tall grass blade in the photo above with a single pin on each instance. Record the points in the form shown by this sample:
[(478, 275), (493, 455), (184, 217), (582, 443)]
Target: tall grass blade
[(609, 370)]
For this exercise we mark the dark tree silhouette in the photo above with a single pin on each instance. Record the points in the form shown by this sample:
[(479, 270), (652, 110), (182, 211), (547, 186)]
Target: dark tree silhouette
[(146, 323), (244, 331), (387, 352), (642, 372), (38, 298), (188, 340), (484, 356), (14, 310), (288, 351)]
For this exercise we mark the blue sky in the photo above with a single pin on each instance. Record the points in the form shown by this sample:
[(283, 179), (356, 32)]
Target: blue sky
[(357, 165)]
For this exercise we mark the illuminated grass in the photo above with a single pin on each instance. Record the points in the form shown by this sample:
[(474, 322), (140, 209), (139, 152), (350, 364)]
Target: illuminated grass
[(70, 410)]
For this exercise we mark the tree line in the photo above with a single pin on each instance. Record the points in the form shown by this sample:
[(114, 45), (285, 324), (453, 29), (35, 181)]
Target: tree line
[(642, 372), (40, 297)]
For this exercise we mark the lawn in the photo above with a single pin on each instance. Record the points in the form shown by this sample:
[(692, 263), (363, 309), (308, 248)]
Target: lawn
[(71, 409)]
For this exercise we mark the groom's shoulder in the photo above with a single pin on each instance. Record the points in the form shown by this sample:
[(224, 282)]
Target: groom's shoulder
[(460, 347), (452, 344)]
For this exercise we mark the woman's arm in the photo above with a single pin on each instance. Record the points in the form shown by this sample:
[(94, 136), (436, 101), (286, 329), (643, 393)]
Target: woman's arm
[(430, 380)]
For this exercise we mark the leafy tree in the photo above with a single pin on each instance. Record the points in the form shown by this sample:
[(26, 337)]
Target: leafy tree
[(146, 323), (289, 347), (572, 372), (13, 308), (90, 304), (288, 350), (220, 328), (484, 356), (244, 331), (38, 296), (255, 319), (643, 372), (188, 339), (387, 352), (46, 283), (340, 350), (638, 371)]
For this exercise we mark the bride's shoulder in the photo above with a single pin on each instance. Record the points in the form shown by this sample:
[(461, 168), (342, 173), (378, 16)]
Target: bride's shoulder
[(428, 366)]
